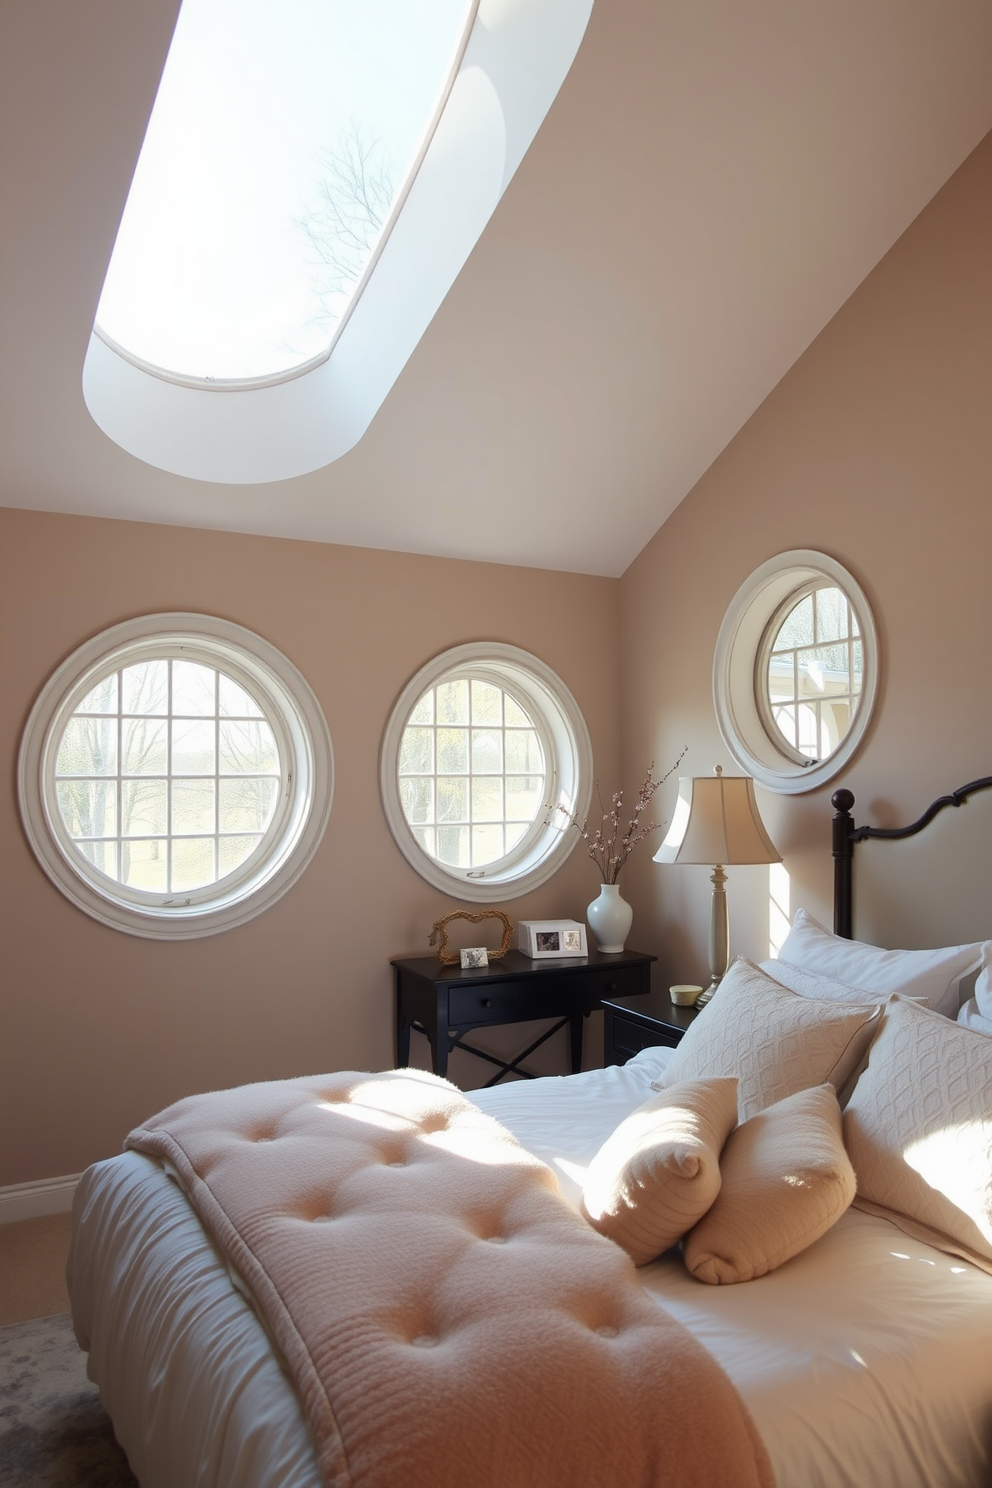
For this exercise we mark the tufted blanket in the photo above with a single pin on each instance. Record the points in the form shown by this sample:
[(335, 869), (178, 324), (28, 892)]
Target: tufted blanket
[(448, 1320)]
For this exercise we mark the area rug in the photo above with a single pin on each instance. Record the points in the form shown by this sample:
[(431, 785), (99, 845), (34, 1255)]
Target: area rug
[(54, 1433)]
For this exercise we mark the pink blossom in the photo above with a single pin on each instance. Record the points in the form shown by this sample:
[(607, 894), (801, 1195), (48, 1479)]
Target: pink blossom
[(604, 850)]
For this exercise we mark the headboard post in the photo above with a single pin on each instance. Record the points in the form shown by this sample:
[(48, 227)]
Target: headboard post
[(843, 850)]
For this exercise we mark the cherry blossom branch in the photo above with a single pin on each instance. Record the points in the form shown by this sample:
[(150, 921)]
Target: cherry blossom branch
[(613, 841)]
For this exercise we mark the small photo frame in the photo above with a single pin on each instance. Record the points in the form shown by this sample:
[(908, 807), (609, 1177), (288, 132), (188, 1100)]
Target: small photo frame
[(545, 939), (474, 957)]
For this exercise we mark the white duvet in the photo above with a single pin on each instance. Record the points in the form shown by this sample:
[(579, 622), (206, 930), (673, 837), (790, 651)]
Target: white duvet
[(866, 1362)]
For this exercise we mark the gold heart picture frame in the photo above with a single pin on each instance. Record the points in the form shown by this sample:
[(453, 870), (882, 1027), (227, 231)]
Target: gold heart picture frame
[(451, 958)]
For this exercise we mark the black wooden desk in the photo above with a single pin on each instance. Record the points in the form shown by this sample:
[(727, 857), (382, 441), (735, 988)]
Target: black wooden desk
[(445, 1002)]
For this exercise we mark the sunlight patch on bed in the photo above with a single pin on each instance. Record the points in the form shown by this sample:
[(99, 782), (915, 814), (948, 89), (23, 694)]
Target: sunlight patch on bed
[(386, 1120), (576, 1171), (950, 1161)]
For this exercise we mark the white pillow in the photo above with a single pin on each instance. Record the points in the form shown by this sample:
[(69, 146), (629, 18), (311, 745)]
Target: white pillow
[(935, 975), (812, 984), (774, 1041), (918, 1130), (983, 988), (970, 1016)]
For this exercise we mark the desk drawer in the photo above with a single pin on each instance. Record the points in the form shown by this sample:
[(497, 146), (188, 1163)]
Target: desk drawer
[(625, 981), (506, 1002), (517, 1001), (629, 1038)]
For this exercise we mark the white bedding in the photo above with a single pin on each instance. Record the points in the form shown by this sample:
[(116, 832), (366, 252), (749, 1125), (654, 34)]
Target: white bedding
[(866, 1362)]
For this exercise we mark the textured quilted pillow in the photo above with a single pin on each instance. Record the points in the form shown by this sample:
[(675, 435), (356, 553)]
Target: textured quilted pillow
[(919, 1131), (773, 1040), (659, 1172), (786, 1180)]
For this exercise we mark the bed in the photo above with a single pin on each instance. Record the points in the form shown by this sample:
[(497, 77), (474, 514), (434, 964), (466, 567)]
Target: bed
[(864, 1359)]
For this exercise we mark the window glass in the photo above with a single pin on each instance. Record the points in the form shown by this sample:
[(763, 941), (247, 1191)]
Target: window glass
[(795, 671), (811, 673), (164, 816), (175, 776), (470, 793), (484, 741), (281, 140)]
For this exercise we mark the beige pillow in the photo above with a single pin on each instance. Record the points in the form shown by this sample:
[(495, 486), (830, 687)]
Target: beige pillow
[(773, 1040), (659, 1171), (786, 1180), (919, 1131)]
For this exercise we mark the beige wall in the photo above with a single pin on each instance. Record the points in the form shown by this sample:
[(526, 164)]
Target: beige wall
[(875, 448), (100, 1028)]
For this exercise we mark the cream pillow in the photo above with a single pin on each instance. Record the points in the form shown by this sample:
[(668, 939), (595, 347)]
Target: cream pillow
[(919, 1131), (786, 1180), (934, 974), (659, 1171), (773, 1040)]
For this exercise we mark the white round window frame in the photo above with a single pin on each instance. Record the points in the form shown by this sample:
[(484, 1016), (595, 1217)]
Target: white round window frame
[(300, 816), (564, 736), (757, 601)]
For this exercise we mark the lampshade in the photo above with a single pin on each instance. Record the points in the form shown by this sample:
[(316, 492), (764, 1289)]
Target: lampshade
[(716, 821)]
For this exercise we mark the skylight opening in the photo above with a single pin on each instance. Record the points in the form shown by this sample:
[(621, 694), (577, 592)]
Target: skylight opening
[(303, 369), (280, 149)]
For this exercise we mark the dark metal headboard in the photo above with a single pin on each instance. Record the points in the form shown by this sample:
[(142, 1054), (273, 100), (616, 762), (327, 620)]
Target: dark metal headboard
[(846, 834)]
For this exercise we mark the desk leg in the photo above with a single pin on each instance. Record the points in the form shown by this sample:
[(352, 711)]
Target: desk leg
[(405, 998), (402, 1041), (575, 1036), (439, 1033)]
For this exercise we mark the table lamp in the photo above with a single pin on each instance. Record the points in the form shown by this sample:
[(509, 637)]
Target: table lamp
[(716, 821)]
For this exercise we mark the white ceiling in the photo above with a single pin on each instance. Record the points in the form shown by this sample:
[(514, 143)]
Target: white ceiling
[(713, 182)]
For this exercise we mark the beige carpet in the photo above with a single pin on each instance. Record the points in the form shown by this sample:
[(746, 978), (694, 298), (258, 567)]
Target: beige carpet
[(32, 1268)]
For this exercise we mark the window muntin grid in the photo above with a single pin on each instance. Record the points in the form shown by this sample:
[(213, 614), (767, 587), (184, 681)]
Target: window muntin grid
[(544, 701), (167, 776), (810, 673), (235, 701), (473, 773)]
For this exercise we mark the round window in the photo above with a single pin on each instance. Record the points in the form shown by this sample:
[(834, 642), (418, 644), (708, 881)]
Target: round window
[(175, 776), (481, 746), (795, 671), (809, 674)]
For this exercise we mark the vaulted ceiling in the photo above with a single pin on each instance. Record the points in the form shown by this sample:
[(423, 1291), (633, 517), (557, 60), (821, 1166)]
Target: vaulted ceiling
[(714, 180)]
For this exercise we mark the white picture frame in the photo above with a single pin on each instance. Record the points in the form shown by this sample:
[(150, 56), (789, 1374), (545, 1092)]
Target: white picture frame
[(546, 940)]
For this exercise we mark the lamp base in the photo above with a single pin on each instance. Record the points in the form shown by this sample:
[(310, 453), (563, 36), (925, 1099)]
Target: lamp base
[(705, 996)]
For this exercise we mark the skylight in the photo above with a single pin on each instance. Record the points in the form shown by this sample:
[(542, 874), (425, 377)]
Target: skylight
[(281, 142), (239, 267)]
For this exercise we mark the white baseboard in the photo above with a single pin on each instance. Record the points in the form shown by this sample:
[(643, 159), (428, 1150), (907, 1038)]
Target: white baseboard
[(31, 1200)]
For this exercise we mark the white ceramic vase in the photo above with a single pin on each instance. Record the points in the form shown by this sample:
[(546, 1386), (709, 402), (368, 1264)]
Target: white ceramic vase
[(610, 918)]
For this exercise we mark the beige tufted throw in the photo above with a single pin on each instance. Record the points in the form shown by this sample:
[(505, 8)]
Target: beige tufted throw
[(448, 1320)]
